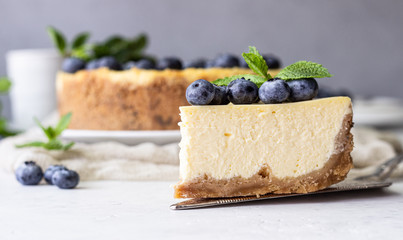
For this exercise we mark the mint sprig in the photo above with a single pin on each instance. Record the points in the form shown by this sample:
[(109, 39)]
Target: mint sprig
[(52, 133), (5, 84), (303, 69), (68, 49), (256, 62), (258, 80)]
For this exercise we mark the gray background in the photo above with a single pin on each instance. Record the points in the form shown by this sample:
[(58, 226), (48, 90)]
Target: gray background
[(361, 41)]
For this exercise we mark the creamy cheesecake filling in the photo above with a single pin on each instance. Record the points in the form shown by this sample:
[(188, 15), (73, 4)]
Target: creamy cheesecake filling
[(237, 141)]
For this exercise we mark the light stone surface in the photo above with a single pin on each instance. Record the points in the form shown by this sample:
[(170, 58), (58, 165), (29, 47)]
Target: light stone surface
[(140, 210)]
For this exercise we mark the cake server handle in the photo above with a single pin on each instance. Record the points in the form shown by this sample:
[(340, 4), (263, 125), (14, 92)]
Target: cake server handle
[(384, 170)]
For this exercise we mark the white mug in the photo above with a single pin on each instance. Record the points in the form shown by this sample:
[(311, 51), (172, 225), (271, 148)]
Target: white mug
[(32, 94)]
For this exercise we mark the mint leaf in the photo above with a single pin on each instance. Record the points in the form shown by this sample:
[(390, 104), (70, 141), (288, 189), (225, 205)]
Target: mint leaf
[(68, 146), (47, 132), (52, 134), (58, 40), (80, 40), (258, 80), (256, 62), (303, 69), (4, 84), (62, 124), (31, 144)]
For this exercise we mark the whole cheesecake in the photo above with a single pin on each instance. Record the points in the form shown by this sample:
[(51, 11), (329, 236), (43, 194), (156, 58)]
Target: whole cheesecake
[(134, 99), (239, 150)]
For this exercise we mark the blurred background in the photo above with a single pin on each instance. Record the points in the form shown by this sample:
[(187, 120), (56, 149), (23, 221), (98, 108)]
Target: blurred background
[(360, 42)]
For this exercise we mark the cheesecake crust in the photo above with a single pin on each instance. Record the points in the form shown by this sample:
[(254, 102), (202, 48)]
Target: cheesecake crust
[(335, 170), (134, 99)]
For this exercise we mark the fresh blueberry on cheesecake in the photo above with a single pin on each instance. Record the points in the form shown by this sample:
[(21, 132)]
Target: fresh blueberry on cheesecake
[(170, 63), (220, 96), (242, 63), (274, 91), (241, 91), (93, 64), (109, 62), (72, 65), (200, 92), (29, 173), (272, 61), (226, 61), (145, 64), (196, 63), (303, 89), (129, 65)]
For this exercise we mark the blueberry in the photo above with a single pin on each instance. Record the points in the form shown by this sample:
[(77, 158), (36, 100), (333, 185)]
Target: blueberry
[(72, 65), (200, 92), (220, 96), (274, 91), (242, 63), (93, 64), (303, 89), (327, 92), (210, 63), (51, 170), (226, 61), (169, 62), (145, 64), (272, 61), (241, 91), (65, 179), (197, 63), (29, 173), (129, 65), (109, 62)]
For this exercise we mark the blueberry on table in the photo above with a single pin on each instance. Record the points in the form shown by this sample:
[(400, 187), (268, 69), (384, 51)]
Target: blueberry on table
[(129, 65), (93, 64), (303, 89), (145, 64), (65, 179), (272, 61), (169, 62), (29, 173), (226, 61), (196, 63), (220, 96), (274, 91), (109, 62), (200, 92), (72, 65), (241, 91), (51, 170)]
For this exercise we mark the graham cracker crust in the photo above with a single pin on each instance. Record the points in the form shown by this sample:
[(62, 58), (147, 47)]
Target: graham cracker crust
[(334, 171), (130, 100)]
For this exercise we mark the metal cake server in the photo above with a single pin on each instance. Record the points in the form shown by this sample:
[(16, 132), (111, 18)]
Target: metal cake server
[(372, 181)]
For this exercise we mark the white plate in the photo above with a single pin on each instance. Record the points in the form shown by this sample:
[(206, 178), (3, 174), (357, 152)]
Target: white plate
[(125, 137), (379, 112)]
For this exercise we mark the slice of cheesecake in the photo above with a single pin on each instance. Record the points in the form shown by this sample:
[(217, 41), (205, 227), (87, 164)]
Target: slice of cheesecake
[(240, 150)]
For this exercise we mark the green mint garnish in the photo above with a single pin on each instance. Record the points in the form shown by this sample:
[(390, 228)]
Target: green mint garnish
[(258, 80), (4, 84), (303, 69), (80, 40), (52, 133), (256, 62), (58, 40)]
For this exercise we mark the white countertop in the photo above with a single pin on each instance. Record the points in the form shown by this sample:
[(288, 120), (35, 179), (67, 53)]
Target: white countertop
[(140, 210)]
